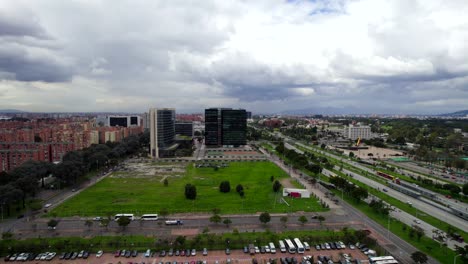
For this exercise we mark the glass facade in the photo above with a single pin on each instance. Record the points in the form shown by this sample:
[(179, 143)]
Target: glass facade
[(212, 127), (166, 128), (225, 127), (234, 124)]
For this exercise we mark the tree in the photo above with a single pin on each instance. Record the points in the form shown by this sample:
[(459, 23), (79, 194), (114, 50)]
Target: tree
[(216, 210), (276, 186), (351, 154), (359, 193), (225, 187), (265, 218), (465, 189), (89, 224), (284, 220), (163, 212), (321, 218), (215, 219), (419, 257), (123, 222), (322, 146), (190, 191), (166, 182), (272, 178), (242, 194), (239, 188), (105, 222), (52, 224), (302, 219), (227, 222), (180, 240)]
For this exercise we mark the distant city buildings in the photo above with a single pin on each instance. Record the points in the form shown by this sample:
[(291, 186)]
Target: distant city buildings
[(123, 121), (354, 132), (47, 139), (162, 131), (225, 127)]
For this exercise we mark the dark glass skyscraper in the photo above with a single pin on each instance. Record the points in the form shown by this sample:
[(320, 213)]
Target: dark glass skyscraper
[(225, 127), (162, 130)]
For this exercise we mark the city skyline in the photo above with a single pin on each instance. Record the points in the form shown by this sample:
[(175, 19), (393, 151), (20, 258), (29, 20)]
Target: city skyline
[(354, 57)]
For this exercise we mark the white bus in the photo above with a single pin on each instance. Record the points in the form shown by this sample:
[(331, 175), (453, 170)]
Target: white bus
[(149, 217), (130, 216), (383, 260), (299, 246), (282, 246), (290, 246), (272, 248)]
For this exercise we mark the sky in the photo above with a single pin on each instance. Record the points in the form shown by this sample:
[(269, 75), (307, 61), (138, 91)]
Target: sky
[(267, 56)]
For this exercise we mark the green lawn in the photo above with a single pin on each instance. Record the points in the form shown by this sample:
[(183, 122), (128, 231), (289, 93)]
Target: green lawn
[(125, 194)]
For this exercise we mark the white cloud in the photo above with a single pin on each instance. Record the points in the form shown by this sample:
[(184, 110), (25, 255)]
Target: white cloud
[(127, 55)]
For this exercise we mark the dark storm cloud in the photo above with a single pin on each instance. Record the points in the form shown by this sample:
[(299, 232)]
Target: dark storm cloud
[(19, 26), (28, 53)]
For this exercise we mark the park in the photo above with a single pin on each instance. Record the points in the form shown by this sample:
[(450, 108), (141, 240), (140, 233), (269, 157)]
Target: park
[(159, 187)]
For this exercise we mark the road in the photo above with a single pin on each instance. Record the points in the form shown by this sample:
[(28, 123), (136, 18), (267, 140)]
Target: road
[(418, 204)]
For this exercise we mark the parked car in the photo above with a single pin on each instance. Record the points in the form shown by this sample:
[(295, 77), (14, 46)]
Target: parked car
[(246, 249), (194, 252), (227, 251), (162, 253), (67, 255), (177, 253), (317, 247), (128, 253), (134, 253), (170, 253), (148, 253), (99, 254), (117, 253), (187, 252), (205, 251), (74, 255)]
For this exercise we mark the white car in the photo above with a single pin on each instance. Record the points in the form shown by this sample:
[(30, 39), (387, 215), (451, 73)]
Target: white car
[(417, 221), (99, 254), (47, 205)]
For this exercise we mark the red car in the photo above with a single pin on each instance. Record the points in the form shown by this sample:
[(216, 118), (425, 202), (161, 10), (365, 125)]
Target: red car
[(117, 253), (182, 253)]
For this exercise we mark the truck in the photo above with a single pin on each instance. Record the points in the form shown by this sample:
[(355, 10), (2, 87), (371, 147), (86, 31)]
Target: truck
[(174, 222)]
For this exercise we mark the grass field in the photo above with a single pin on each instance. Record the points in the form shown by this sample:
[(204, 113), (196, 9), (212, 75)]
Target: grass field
[(124, 193)]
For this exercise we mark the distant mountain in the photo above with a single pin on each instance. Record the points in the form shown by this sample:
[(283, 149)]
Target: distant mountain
[(461, 113), (10, 111), (322, 111)]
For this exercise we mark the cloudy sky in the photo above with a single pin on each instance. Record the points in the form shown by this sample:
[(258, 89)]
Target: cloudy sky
[(363, 56)]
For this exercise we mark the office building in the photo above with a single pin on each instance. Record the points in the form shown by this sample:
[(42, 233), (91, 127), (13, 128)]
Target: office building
[(354, 132), (184, 129), (225, 127), (123, 121), (162, 131)]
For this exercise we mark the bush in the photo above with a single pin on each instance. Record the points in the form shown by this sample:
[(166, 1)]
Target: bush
[(225, 187)]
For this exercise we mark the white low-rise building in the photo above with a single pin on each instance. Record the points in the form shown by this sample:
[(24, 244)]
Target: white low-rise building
[(296, 193), (354, 132)]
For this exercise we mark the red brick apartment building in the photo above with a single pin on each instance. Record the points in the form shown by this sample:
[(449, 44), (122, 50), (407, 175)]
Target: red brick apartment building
[(50, 139)]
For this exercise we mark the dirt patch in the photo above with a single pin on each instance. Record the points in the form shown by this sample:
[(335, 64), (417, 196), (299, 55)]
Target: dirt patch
[(287, 183), (185, 232), (150, 170)]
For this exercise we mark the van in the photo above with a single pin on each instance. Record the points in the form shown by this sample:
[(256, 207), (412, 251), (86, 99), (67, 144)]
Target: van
[(306, 246), (148, 253)]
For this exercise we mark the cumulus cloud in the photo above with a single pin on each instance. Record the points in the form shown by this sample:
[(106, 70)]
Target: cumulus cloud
[(371, 56)]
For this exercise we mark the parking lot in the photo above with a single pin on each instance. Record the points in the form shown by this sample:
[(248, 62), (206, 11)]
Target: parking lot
[(217, 256)]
